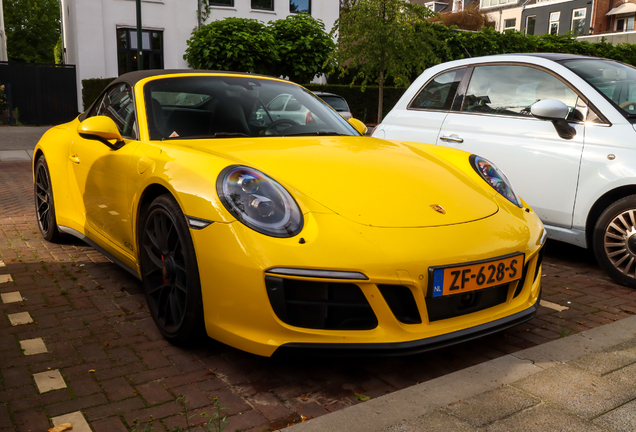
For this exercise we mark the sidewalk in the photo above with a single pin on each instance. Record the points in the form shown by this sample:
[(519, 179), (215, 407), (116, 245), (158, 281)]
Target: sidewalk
[(17, 142), (585, 382)]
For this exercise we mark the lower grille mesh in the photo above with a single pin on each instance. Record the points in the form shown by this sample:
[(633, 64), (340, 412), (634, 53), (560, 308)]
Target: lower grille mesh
[(320, 305)]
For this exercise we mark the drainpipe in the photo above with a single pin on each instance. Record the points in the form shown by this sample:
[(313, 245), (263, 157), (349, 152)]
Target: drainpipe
[(3, 37), (140, 60), (199, 14)]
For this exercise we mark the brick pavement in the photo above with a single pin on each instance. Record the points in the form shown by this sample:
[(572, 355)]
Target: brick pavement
[(91, 316)]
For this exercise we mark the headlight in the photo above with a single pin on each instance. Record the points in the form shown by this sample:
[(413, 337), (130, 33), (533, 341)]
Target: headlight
[(495, 178), (259, 202)]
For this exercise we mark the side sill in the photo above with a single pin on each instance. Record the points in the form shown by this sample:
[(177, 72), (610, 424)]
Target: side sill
[(567, 235), (410, 347), (79, 235)]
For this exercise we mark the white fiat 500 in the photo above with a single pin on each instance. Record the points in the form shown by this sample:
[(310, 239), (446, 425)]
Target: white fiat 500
[(562, 128)]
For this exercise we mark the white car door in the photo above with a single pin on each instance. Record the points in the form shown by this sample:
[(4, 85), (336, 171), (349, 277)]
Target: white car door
[(495, 122), (422, 121)]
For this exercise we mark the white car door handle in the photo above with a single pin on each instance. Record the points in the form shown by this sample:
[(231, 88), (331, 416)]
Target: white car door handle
[(453, 138)]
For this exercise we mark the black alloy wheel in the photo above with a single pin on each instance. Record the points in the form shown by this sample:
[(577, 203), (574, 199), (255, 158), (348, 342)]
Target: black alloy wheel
[(170, 273), (614, 241), (44, 204)]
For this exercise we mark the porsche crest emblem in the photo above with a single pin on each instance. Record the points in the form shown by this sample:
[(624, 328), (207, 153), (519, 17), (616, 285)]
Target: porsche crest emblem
[(438, 208)]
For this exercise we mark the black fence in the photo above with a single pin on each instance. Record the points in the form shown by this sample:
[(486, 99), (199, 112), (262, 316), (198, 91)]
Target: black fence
[(44, 94)]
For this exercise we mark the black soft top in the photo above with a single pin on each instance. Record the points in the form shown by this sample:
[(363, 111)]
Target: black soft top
[(133, 78)]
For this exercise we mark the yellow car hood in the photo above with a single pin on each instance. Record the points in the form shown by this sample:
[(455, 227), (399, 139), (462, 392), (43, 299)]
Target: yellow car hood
[(366, 180)]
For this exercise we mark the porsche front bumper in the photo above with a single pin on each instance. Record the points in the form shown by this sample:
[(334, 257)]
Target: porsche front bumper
[(237, 266)]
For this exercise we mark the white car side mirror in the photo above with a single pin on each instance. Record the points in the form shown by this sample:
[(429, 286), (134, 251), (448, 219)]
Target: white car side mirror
[(555, 111), (549, 109)]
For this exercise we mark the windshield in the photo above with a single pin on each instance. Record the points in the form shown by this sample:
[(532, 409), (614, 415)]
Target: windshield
[(615, 80), (236, 106)]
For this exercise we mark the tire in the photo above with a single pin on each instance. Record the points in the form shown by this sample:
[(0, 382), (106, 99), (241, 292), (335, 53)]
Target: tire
[(614, 241), (44, 202), (170, 273)]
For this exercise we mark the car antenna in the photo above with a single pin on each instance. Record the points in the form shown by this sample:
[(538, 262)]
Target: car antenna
[(460, 42)]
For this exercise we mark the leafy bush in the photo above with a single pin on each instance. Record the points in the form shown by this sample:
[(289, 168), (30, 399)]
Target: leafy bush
[(232, 44), (92, 88), (294, 47), (488, 41), (303, 47)]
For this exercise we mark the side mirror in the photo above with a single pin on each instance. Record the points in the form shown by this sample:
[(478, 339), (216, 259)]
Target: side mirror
[(358, 125), (555, 111), (102, 129)]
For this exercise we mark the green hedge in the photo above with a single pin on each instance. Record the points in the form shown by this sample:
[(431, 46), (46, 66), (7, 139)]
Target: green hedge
[(488, 41), (364, 105), (91, 88)]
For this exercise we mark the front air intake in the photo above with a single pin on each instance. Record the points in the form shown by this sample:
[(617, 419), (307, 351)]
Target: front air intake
[(320, 305)]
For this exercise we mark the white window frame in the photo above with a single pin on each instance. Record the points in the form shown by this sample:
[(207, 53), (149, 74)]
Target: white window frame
[(575, 18), (514, 25), (625, 20), (525, 31), (554, 19), (493, 3)]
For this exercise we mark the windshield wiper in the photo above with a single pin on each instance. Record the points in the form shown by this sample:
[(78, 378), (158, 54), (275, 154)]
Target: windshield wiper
[(330, 133), (216, 135)]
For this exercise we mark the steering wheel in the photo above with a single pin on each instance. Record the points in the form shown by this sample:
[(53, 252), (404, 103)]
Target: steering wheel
[(626, 104), (270, 128)]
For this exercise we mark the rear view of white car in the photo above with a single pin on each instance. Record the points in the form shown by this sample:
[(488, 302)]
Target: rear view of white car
[(562, 128)]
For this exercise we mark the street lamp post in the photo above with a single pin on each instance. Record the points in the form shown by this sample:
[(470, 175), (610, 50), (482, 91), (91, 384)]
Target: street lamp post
[(140, 60)]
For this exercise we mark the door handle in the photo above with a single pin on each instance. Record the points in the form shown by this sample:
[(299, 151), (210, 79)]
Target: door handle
[(453, 138), (74, 158)]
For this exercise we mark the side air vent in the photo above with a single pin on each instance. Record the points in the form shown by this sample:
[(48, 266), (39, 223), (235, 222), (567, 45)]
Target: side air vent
[(402, 303)]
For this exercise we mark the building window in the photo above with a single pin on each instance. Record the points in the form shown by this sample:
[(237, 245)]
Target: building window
[(625, 24), (530, 22), (554, 22), (221, 2), (578, 21), (263, 4), (151, 48), (486, 3), (296, 6), (510, 24)]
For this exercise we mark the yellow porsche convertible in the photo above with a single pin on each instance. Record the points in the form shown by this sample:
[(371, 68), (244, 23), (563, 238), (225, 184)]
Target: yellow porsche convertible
[(253, 212)]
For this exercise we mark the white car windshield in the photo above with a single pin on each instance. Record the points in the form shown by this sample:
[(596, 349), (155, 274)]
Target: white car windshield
[(617, 81), (193, 107)]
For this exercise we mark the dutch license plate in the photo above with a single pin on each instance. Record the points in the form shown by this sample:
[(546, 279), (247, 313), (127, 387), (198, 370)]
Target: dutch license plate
[(457, 279)]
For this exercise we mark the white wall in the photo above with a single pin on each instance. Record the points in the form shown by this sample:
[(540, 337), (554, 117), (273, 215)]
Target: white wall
[(90, 28), (500, 17)]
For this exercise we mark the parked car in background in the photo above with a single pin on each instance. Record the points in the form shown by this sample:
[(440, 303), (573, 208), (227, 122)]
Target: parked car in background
[(286, 106), (271, 234), (560, 126), (336, 102)]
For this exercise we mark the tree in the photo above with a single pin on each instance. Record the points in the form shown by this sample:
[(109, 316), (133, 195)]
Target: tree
[(303, 47), (384, 38), (32, 28), (471, 18), (232, 44)]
